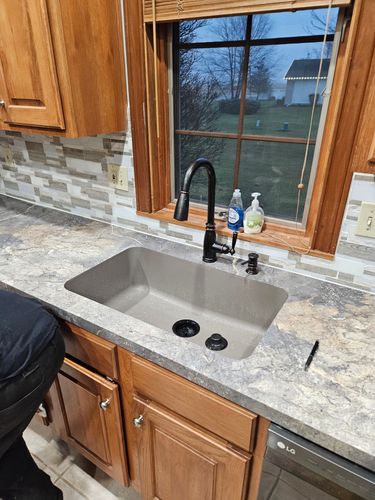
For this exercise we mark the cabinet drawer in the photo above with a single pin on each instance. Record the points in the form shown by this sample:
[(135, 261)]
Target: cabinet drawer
[(91, 350), (199, 405)]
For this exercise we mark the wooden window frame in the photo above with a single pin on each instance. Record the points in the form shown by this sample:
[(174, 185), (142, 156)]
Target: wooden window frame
[(334, 169)]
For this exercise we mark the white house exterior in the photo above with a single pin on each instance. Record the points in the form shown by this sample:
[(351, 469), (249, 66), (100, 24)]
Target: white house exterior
[(301, 80)]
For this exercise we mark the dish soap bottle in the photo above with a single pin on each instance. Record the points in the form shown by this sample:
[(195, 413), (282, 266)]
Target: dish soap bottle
[(254, 216), (235, 211)]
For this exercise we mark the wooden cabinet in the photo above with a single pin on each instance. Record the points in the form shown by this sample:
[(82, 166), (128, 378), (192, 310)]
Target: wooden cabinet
[(185, 442), (94, 352), (62, 67), (84, 403), (28, 79), (199, 405), (180, 460), (363, 159), (90, 417), (182, 441)]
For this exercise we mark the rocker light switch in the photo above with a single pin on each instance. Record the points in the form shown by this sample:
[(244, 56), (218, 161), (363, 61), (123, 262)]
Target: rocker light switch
[(366, 220)]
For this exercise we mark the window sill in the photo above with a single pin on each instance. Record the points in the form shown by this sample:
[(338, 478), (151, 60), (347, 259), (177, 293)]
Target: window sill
[(273, 235)]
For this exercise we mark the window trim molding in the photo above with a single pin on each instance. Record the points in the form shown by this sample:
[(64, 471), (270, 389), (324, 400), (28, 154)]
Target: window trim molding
[(334, 170)]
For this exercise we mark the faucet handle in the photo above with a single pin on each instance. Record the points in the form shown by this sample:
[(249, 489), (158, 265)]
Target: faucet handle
[(234, 241)]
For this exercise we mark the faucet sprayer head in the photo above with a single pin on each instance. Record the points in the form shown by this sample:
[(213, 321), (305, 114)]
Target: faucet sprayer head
[(182, 206)]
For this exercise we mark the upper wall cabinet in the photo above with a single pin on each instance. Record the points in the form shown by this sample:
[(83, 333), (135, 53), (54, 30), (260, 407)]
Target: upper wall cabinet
[(62, 67), (29, 87), (363, 159)]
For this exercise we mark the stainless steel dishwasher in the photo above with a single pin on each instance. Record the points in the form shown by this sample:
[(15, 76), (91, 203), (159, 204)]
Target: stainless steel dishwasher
[(296, 469)]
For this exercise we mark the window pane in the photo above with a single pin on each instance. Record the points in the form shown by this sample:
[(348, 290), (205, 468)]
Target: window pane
[(221, 153), (273, 169), (288, 24), (213, 30), (280, 91), (208, 89), (281, 85)]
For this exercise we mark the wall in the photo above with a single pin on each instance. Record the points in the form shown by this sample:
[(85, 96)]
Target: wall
[(299, 91), (71, 175)]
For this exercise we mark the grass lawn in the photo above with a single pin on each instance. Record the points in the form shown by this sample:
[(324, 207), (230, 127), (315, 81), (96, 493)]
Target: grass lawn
[(272, 119), (271, 168)]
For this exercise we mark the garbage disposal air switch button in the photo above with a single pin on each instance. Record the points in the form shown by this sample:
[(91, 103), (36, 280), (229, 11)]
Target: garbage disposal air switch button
[(216, 342)]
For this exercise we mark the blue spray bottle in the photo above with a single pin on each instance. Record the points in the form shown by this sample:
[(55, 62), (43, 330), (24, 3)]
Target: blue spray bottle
[(235, 211)]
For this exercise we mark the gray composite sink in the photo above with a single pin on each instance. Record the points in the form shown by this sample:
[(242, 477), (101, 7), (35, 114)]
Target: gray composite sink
[(160, 290)]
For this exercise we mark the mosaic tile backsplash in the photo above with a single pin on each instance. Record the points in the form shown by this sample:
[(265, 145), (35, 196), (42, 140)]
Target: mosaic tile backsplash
[(72, 175)]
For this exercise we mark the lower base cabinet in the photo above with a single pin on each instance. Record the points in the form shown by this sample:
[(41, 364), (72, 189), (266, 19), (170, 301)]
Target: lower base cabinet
[(180, 461), (90, 418), (183, 441), (145, 426)]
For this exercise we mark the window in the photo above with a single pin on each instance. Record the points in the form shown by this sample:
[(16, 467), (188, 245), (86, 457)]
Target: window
[(243, 98), (148, 62)]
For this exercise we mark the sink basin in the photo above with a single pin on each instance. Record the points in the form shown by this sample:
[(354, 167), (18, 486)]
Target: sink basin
[(161, 290)]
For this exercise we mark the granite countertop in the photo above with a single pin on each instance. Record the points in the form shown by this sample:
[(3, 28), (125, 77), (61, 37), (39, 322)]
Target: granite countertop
[(332, 404)]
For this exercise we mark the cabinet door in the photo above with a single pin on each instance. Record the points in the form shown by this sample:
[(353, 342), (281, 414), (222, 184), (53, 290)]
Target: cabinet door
[(29, 88), (91, 413), (179, 460), (363, 159)]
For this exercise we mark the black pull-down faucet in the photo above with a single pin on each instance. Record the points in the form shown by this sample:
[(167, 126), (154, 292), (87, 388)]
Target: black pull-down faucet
[(210, 246)]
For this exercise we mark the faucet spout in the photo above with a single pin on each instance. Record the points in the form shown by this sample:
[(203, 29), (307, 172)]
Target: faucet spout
[(182, 205), (210, 246)]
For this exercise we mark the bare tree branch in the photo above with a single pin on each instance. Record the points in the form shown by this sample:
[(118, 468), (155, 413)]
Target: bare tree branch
[(227, 63)]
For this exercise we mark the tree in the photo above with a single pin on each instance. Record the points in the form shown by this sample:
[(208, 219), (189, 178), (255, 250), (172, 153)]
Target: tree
[(260, 79), (196, 103), (317, 25), (226, 64), (318, 20), (197, 92)]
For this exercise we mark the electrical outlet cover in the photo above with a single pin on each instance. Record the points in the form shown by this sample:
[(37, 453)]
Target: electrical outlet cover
[(122, 179), (8, 156), (118, 177), (366, 220)]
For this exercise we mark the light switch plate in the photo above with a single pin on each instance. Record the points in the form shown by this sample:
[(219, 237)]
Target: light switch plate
[(118, 177), (366, 220)]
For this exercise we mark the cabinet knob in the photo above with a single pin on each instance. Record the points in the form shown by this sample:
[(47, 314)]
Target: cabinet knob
[(138, 421), (104, 404), (42, 411), (2, 103)]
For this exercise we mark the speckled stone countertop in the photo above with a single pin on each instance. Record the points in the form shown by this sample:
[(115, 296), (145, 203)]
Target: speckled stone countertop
[(332, 404)]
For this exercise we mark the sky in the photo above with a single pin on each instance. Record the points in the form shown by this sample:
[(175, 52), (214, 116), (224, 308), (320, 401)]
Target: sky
[(282, 24)]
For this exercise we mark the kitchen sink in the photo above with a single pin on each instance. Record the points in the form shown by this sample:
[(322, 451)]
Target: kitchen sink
[(161, 290)]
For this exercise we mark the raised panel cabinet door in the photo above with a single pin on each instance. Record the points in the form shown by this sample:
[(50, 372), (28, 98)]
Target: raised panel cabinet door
[(29, 88), (92, 415), (179, 460), (363, 158)]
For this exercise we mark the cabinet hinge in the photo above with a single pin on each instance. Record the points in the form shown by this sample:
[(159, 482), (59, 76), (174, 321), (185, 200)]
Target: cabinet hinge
[(110, 379)]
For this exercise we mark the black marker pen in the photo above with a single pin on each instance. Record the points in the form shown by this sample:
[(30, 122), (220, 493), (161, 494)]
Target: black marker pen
[(312, 354)]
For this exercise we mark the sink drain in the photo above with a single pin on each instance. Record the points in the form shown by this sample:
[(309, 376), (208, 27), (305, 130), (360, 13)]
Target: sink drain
[(186, 328), (216, 342)]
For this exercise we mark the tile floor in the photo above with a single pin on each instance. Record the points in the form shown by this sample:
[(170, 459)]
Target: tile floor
[(78, 478)]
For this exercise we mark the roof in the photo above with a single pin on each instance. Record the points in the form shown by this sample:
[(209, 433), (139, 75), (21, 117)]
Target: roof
[(307, 69)]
